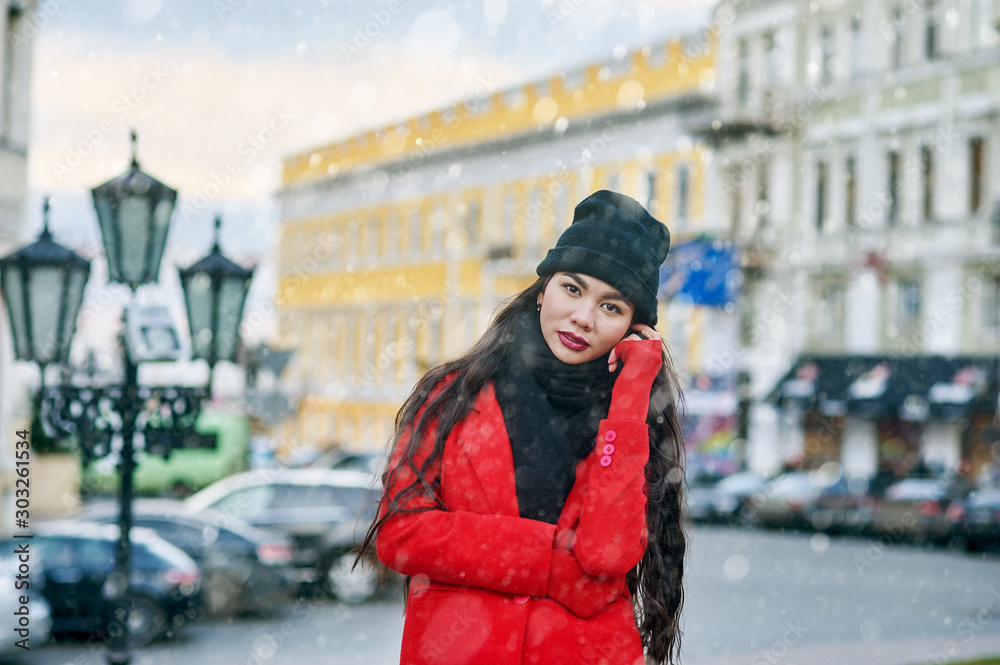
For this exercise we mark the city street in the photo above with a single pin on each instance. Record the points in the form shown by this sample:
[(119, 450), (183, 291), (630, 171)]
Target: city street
[(752, 597)]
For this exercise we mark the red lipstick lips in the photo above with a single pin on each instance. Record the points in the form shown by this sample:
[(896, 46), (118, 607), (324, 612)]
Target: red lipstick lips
[(572, 342)]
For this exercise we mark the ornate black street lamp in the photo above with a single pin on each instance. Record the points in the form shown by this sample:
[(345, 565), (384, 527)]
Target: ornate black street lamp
[(215, 290), (43, 287)]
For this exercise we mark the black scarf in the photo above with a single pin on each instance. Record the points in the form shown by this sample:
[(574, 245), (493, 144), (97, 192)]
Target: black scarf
[(552, 412)]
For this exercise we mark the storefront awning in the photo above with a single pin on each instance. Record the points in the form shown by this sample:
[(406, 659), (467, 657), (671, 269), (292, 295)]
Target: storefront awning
[(910, 387)]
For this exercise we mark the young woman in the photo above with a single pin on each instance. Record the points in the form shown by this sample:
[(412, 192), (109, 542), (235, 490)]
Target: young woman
[(533, 497)]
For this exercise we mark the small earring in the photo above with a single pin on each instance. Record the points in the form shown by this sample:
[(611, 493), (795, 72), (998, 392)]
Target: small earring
[(539, 306)]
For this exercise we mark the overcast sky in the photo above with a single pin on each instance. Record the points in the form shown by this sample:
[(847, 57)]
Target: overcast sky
[(198, 78)]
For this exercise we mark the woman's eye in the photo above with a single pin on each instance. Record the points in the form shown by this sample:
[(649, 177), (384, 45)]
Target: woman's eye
[(571, 288), (613, 307)]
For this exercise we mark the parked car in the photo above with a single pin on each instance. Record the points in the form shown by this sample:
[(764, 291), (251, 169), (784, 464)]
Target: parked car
[(841, 507), (731, 497), (699, 494), (326, 513), (339, 460), (914, 509), (789, 500), (38, 611), (78, 558), (244, 568), (975, 521)]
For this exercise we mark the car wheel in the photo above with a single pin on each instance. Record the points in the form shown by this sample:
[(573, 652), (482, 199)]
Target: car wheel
[(347, 583), (147, 619)]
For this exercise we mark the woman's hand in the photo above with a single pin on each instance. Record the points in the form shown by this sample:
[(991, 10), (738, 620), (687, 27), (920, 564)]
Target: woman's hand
[(644, 332), (642, 360)]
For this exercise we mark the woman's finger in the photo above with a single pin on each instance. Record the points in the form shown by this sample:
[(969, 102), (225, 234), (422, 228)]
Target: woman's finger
[(646, 331)]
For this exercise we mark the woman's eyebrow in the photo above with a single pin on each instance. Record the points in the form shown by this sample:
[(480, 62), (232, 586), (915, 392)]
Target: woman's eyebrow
[(582, 283)]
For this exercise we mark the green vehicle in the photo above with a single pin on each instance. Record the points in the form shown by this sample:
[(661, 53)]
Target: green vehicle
[(187, 469)]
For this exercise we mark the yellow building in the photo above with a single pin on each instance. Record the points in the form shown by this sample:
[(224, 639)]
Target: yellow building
[(397, 245)]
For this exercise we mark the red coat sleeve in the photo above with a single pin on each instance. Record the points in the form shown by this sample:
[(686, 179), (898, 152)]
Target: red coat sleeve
[(612, 533), (499, 552)]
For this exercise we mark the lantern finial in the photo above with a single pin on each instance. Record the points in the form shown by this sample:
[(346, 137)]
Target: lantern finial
[(45, 218), (218, 233), (135, 149)]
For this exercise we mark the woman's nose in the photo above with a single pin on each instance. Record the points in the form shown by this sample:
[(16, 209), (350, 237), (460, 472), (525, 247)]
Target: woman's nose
[(583, 316)]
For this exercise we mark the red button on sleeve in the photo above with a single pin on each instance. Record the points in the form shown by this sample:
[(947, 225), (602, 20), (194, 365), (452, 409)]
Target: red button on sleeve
[(521, 600), (608, 449), (610, 435), (606, 460)]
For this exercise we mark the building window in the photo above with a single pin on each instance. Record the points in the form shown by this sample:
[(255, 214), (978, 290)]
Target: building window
[(472, 222), (896, 32), (830, 319), (826, 54), (857, 47), (772, 64), (763, 206), (735, 181), (507, 224), (614, 181), (683, 193), (927, 177), (975, 174), (820, 195), (392, 234), (907, 306), (931, 46), (353, 240), (11, 70), (743, 75), (416, 233), (991, 306), (893, 212), (437, 229), (533, 221), (649, 196), (372, 227), (850, 193)]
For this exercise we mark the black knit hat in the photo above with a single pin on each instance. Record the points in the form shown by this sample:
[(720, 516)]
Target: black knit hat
[(614, 239)]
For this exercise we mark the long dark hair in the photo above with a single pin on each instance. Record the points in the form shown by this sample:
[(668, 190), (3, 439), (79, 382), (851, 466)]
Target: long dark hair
[(656, 583)]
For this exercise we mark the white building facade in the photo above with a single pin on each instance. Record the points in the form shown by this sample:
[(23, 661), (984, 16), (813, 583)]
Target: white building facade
[(17, 30), (860, 156)]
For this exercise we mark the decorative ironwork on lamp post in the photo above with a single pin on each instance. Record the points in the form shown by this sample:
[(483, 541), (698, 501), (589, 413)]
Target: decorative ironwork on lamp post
[(43, 287)]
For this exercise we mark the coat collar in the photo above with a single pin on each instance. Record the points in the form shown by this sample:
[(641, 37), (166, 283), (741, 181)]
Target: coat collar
[(484, 440)]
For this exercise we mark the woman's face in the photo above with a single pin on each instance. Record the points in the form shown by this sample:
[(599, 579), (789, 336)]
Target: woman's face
[(582, 317)]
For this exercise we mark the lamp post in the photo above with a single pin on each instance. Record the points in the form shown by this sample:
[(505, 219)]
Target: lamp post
[(43, 287)]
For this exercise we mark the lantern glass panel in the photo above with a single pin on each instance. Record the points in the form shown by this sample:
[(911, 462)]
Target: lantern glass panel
[(161, 226), (135, 221), (198, 290), (45, 290), (74, 299), (231, 297), (14, 295), (106, 219)]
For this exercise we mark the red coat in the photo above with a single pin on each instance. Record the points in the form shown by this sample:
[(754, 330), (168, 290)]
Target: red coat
[(480, 572)]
